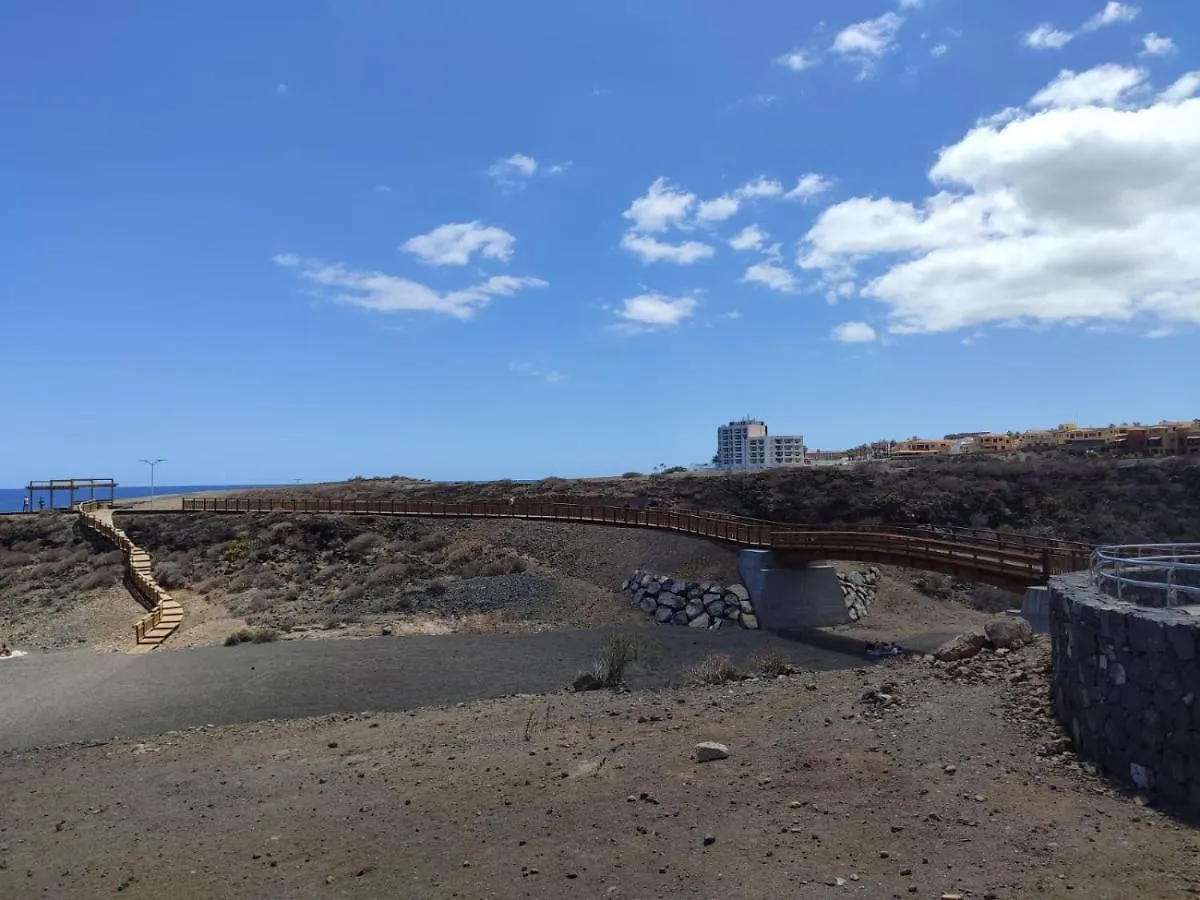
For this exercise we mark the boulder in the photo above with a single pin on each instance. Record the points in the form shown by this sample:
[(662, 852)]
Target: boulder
[(693, 609), (625, 584), (663, 615), (747, 607), (679, 587), (731, 611), (715, 608), (1008, 634), (710, 751), (649, 605), (701, 621), (748, 620), (740, 592), (962, 647), (679, 618), (653, 588), (672, 601)]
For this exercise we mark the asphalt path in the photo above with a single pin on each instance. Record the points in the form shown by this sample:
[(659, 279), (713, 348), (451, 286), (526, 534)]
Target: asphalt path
[(55, 698)]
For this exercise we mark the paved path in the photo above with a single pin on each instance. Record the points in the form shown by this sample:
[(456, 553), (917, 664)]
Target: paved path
[(82, 696)]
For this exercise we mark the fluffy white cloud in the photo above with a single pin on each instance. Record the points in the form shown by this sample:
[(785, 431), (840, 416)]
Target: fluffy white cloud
[(653, 311), (1047, 37), (381, 292), (1187, 86), (549, 375), (1112, 14), (749, 238), (653, 250), (1155, 44), (809, 186), (758, 188), (456, 243), (1105, 85), (853, 333), (797, 60), (867, 42), (1066, 214), (718, 209), (660, 207), (512, 173), (939, 50), (772, 276)]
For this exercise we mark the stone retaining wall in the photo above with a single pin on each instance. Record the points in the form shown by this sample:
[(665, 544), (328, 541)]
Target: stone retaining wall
[(706, 605), (1126, 685)]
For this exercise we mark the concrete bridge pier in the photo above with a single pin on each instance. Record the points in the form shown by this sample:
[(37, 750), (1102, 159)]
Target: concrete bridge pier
[(792, 597), (1035, 609)]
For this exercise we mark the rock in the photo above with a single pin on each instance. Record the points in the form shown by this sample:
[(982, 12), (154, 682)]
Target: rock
[(715, 608), (731, 611), (746, 620), (962, 647), (709, 751), (653, 588), (1008, 634), (672, 601), (693, 609), (386, 630), (586, 681), (662, 615), (625, 584), (679, 587), (709, 840), (701, 621), (679, 618), (649, 605), (740, 592)]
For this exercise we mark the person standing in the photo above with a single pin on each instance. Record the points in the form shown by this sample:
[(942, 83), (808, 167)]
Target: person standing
[(41, 504), (26, 507)]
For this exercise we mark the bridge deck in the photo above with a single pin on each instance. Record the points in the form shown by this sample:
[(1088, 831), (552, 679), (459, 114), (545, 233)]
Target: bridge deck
[(1012, 561)]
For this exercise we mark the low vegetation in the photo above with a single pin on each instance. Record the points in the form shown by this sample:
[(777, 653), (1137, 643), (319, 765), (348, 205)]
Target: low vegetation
[(716, 668), (251, 636), (46, 562)]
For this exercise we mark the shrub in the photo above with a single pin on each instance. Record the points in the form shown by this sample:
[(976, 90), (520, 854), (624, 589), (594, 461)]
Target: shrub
[(169, 574), (437, 587), (251, 636), (771, 661), (716, 668), (617, 653), (362, 545), (935, 584)]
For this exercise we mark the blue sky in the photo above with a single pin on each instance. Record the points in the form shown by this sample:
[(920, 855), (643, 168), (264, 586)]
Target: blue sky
[(469, 240)]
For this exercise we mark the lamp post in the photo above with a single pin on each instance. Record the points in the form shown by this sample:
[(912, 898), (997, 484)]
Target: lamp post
[(152, 463)]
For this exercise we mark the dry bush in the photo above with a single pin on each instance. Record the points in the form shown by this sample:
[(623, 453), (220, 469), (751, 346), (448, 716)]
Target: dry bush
[(935, 584), (169, 574), (618, 652), (350, 594), (362, 546), (94, 580), (716, 668), (251, 636), (772, 662)]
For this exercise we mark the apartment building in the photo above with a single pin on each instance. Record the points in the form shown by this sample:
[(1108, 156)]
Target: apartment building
[(922, 447), (995, 442), (1163, 439), (747, 444)]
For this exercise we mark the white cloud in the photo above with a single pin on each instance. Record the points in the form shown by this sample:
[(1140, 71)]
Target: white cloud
[(911, 4), (654, 311), (809, 186), (559, 168), (382, 189), (774, 277), (939, 50), (1112, 14), (853, 333), (797, 60), (381, 292), (867, 42), (548, 375), (1155, 44), (1186, 87), (759, 187), (513, 172), (456, 243), (718, 209), (653, 250), (1047, 37), (749, 238), (660, 207), (1105, 85), (1070, 214)]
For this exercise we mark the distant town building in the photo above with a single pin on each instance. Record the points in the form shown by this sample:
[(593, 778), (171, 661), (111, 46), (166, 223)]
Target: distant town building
[(747, 444)]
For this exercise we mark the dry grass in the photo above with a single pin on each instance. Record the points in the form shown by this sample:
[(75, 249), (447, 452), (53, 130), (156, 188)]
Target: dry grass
[(717, 668)]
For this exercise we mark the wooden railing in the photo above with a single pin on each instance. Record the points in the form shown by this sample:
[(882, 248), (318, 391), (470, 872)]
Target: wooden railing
[(1006, 560)]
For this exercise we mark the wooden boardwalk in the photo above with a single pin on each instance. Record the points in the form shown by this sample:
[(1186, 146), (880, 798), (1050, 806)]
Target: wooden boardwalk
[(1010, 561)]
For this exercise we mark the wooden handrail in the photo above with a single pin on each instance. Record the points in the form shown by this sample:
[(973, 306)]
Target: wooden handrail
[(1012, 558)]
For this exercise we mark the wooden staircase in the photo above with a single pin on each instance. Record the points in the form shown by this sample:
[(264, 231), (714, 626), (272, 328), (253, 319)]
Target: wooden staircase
[(165, 613)]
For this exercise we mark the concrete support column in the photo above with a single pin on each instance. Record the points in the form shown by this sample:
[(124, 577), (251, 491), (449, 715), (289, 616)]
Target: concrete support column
[(791, 598), (1035, 609)]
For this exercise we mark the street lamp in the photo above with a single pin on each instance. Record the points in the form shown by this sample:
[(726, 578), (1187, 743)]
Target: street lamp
[(152, 463)]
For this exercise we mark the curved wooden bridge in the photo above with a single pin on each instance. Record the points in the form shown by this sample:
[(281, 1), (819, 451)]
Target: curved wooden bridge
[(1010, 561)]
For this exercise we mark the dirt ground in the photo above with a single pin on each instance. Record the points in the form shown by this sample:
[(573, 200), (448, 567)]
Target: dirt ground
[(905, 780)]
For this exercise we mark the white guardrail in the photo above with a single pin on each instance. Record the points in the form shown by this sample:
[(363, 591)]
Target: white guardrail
[(1134, 571)]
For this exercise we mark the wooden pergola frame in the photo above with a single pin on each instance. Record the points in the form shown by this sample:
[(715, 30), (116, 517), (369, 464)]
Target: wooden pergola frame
[(71, 485)]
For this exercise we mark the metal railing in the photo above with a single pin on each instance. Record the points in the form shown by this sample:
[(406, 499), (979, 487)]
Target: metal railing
[(1014, 559), (1149, 574)]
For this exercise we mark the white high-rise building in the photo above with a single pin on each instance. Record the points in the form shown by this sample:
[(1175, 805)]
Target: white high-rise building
[(746, 444)]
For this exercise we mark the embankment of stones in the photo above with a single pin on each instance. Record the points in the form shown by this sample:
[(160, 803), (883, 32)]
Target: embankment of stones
[(671, 601), (1126, 685)]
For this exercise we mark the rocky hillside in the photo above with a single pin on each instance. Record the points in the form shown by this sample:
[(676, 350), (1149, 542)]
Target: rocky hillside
[(1090, 499)]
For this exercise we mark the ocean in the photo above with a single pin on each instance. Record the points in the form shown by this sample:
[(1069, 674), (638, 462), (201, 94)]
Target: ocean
[(12, 499)]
